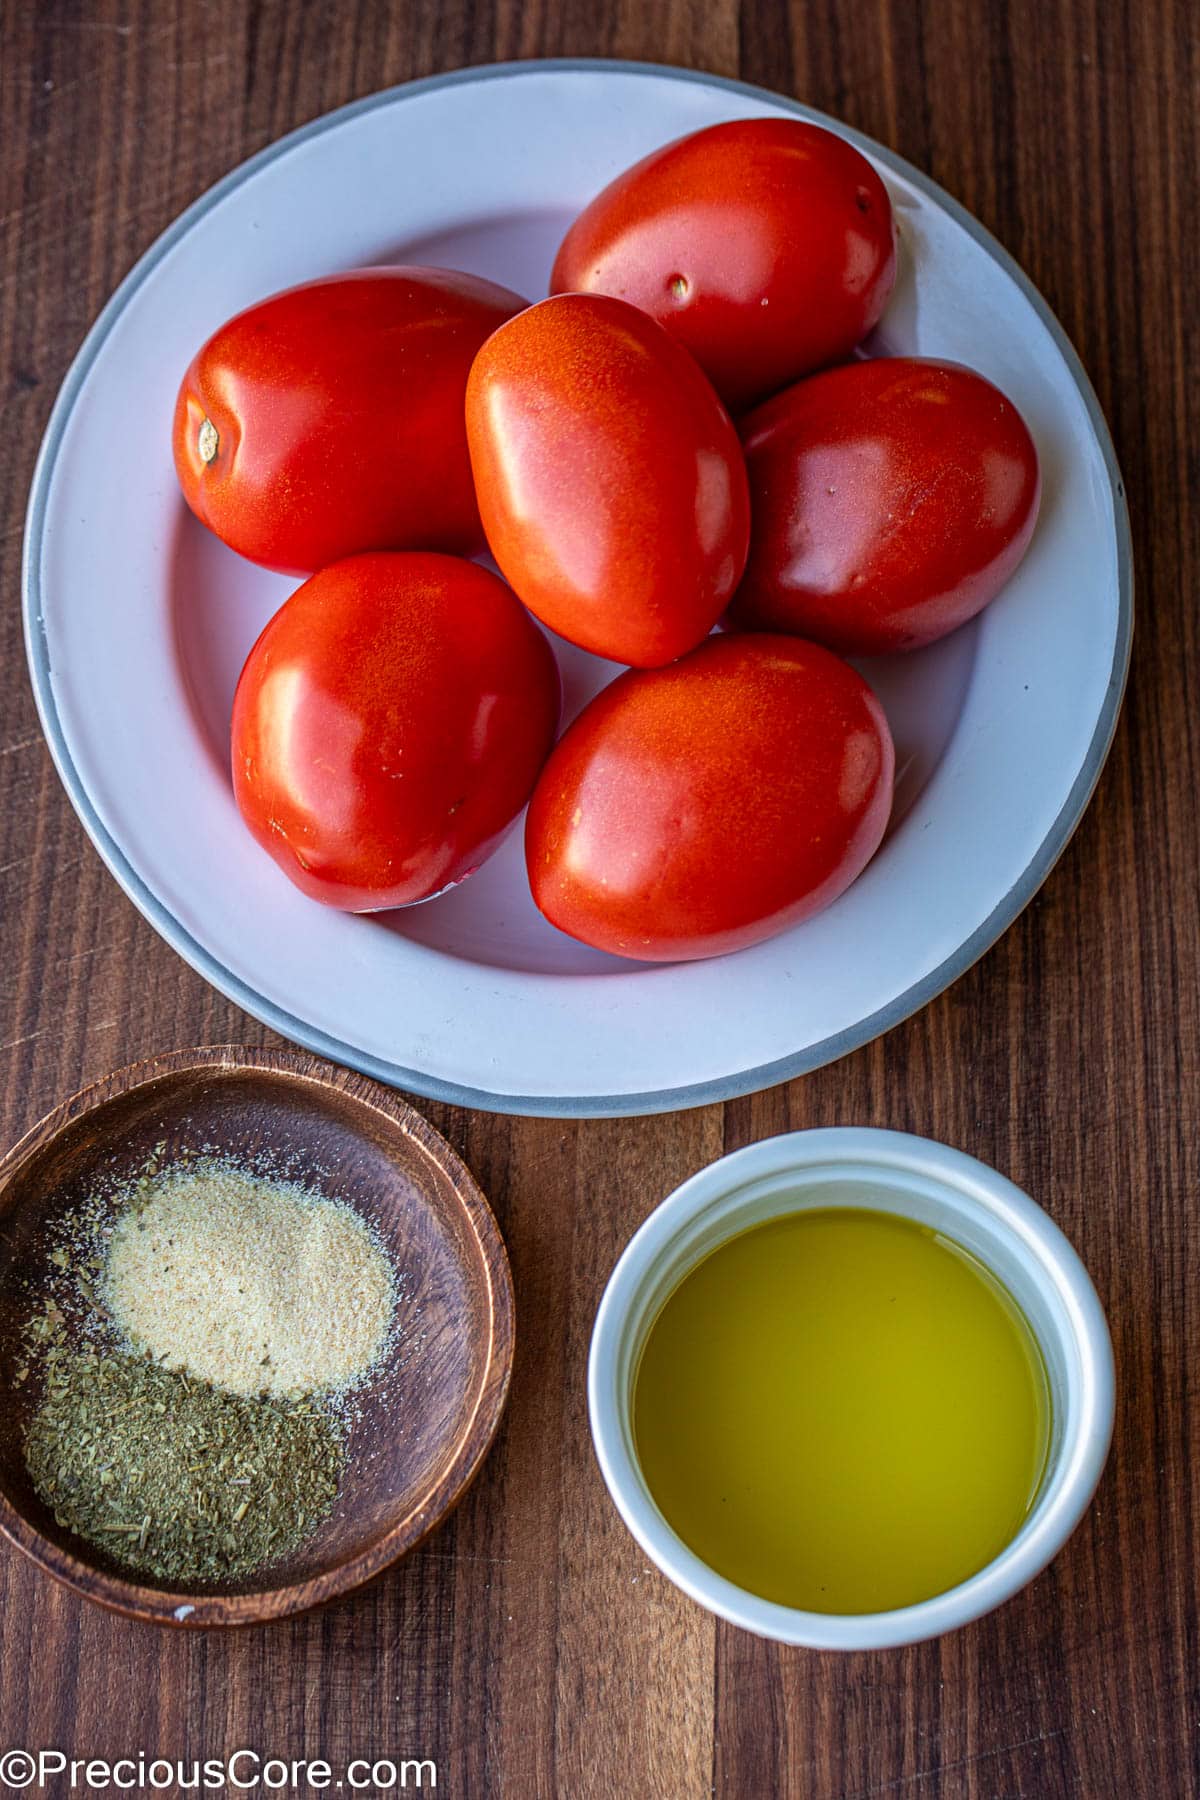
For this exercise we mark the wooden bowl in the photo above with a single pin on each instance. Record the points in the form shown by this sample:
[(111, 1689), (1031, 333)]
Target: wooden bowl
[(428, 1415)]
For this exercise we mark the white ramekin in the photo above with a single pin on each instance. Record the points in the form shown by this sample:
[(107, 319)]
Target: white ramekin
[(890, 1172)]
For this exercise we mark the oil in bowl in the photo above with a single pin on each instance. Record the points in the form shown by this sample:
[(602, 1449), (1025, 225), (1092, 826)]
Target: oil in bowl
[(842, 1411)]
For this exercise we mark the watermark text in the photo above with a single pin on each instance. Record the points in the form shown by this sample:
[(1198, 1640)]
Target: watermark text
[(245, 1771)]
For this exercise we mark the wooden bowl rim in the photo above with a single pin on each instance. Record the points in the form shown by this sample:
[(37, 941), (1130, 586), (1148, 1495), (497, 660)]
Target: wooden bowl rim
[(158, 1606)]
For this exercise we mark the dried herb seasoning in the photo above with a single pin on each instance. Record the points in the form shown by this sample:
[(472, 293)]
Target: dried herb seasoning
[(195, 1341), (171, 1477)]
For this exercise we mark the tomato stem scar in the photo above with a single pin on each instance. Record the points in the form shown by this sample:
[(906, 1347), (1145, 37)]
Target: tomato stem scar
[(207, 440)]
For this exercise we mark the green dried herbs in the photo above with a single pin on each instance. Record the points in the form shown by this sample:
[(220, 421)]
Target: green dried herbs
[(176, 1479)]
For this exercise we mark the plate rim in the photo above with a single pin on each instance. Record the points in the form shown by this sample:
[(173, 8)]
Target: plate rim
[(726, 1087)]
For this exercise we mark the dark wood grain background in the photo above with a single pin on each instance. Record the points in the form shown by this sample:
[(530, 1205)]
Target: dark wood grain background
[(527, 1648)]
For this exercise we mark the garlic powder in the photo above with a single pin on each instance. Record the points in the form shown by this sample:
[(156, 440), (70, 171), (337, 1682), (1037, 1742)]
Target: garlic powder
[(256, 1284)]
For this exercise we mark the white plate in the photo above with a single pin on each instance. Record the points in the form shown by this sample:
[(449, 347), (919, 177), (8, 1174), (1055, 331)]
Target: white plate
[(137, 623)]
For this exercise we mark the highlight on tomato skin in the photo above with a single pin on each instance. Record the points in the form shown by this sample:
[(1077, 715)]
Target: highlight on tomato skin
[(767, 247), (328, 419), (389, 725), (698, 809), (610, 478), (892, 499)]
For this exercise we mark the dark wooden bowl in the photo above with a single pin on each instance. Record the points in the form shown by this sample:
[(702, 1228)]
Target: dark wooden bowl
[(430, 1413)]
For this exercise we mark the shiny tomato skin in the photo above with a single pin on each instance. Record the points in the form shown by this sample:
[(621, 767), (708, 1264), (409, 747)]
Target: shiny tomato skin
[(389, 726), (610, 478), (766, 246), (892, 500), (337, 409), (697, 809)]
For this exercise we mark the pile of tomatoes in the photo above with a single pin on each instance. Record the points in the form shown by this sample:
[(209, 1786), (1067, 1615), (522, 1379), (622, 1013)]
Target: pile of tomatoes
[(374, 431)]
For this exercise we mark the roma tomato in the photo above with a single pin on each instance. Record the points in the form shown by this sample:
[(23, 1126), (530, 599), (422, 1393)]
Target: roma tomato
[(328, 419), (610, 478), (892, 500), (766, 246), (389, 725), (693, 810)]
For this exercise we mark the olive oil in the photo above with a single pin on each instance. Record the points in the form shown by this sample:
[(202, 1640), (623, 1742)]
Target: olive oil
[(842, 1411)]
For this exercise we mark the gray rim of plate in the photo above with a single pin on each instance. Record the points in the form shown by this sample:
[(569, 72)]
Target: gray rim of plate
[(415, 1081)]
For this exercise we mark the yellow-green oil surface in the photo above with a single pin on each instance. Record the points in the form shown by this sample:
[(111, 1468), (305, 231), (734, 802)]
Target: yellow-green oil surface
[(842, 1411)]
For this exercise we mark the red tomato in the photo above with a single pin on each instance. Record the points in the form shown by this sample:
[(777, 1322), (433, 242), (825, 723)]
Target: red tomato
[(696, 809), (765, 246), (892, 500), (610, 478), (328, 419), (389, 725)]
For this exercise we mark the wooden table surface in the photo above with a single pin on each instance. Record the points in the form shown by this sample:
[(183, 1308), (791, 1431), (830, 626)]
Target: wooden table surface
[(527, 1649)]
